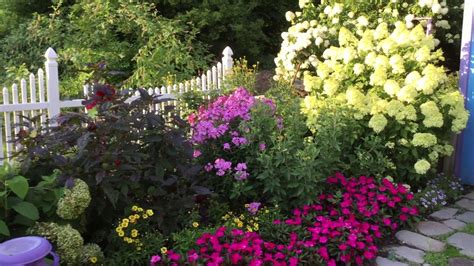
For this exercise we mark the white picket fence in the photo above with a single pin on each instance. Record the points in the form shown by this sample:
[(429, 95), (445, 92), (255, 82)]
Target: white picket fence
[(40, 95)]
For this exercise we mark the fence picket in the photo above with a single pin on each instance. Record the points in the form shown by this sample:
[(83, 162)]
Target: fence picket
[(219, 75), (7, 124), (214, 78), (24, 95), (32, 92), (16, 116), (42, 98)]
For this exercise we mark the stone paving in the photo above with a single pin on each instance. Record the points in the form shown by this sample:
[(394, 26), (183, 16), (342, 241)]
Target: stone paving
[(442, 230)]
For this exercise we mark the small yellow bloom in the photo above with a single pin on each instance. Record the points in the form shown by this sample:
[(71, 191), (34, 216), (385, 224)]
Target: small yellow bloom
[(267, 211), (137, 216), (93, 260), (145, 216), (133, 220), (195, 224), (121, 234), (118, 229), (249, 229), (134, 208), (124, 225), (242, 217), (125, 220), (246, 205), (131, 217), (140, 209), (134, 233), (239, 225), (164, 250), (149, 212)]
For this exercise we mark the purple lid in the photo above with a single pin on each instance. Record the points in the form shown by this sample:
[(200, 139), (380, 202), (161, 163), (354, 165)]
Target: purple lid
[(24, 250)]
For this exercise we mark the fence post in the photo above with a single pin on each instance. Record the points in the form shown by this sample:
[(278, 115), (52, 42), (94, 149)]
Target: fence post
[(227, 61), (52, 83)]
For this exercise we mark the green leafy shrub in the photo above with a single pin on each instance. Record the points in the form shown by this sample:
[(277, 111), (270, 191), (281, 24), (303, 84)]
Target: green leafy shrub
[(23, 202), (126, 152)]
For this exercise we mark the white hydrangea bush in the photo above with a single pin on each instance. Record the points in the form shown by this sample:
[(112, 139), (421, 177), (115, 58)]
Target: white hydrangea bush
[(315, 27), (386, 70)]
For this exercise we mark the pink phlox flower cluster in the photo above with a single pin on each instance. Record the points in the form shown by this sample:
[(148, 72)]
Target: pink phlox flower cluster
[(222, 166)]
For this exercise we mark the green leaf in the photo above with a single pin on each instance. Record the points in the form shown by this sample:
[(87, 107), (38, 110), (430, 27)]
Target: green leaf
[(27, 209), (19, 186), (4, 228)]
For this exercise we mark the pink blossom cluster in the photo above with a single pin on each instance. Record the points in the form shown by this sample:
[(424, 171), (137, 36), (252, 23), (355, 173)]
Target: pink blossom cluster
[(354, 218), (217, 127), (235, 247), (345, 226)]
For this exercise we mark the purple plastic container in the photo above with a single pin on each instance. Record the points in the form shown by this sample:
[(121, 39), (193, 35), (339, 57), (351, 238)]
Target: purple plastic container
[(26, 251)]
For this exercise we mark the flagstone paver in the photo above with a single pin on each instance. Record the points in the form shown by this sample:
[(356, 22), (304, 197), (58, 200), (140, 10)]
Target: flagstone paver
[(420, 241), (381, 261), (455, 224), (467, 253), (467, 217), (430, 228), (466, 204), (460, 262), (462, 241), (469, 196), (448, 221), (409, 254), (444, 214)]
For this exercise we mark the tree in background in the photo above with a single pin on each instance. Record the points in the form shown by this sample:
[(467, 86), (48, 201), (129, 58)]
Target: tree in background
[(138, 44)]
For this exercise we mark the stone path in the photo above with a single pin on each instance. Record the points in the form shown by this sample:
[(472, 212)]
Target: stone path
[(435, 235)]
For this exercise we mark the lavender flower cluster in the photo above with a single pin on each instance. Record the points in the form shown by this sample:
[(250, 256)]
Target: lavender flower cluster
[(439, 191)]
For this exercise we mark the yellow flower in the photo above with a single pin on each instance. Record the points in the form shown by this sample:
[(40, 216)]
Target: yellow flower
[(140, 209), (240, 224), (134, 233), (125, 220), (93, 260), (422, 166), (118, 229), (121, 234), (195, 224), (149, 212), (163, 250), (145, 216), (137, 216), (424, 140), (131, 217), (124, 225), (134, 208), (378, 122)]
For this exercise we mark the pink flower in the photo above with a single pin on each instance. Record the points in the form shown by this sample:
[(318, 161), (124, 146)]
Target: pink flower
[(235, 258), (262, 146), (403, 217), (196, 153), (154, 260), (226, 146)]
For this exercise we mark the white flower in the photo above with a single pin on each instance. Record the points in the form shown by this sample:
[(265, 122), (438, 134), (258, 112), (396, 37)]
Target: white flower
[(351, 14), (363, 21), (444, 10), (327, 10), (290, 16), (436, 8), (409, 18)]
